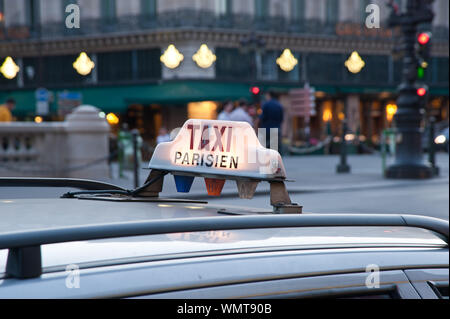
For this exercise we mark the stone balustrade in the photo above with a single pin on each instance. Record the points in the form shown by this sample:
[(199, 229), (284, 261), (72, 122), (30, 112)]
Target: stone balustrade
[(77, 147)]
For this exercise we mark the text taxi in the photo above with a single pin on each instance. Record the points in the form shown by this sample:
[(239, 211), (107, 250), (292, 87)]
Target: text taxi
[(107, 242)]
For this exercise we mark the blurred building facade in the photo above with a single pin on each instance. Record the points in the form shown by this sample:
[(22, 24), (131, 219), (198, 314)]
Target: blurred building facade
[(126, 39)]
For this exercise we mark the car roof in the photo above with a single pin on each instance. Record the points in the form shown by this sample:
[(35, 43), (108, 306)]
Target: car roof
[(24, 215), (21, 215)]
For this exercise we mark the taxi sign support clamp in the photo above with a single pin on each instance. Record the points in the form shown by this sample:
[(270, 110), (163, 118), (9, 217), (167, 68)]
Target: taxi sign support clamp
[(280, 200)]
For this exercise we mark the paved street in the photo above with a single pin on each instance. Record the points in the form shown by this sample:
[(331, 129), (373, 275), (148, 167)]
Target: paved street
[(317, 187), (320, 190)]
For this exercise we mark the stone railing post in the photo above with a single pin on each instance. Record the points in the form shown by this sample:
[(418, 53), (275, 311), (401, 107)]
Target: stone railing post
[(87, 144)]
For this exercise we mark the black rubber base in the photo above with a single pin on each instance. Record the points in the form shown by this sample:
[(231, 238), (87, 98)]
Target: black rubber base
[(409, 172), (342, 168), (435, 170)]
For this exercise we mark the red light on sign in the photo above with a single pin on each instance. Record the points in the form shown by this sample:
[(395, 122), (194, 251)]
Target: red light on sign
[(423, 38), (255, 90), (421, 91)]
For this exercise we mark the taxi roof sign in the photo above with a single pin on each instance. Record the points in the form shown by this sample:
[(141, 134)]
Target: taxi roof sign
[(218, 149)]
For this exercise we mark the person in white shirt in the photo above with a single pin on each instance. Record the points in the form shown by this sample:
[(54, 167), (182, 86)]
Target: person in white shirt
[(240, 114), (226, 111), (163, 136)]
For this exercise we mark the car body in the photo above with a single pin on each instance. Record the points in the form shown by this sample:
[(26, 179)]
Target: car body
[(106, 242), (214, 258), (440, 138)]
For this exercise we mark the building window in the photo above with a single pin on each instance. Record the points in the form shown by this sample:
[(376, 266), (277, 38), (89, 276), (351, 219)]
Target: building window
[(332, 63), (32, 15), (115, 66), (332, 11), (108, 9), (232, 64), (269, 68), (297, 9), (148, 7), (149, 65), (223, 7), (58, 70), (261, 8)]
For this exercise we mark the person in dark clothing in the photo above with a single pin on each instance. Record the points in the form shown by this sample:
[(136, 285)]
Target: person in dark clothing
[(272, 117)]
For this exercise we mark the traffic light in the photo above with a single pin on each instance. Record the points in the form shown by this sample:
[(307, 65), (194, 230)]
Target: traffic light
[(421, 91), (256, 94), (423, 38), (423, 53)]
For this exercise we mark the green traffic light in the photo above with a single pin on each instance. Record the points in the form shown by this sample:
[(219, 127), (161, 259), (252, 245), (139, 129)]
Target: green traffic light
[(420, 72)]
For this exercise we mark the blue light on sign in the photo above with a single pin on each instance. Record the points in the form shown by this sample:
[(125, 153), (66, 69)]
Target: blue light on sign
[(183, 183)]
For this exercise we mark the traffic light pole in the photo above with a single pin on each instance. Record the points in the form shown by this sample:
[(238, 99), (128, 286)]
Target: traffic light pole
[(409, 161)]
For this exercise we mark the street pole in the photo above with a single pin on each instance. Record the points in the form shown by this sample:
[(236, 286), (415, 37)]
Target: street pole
[(409, 161), (135, 134), (432, 146), (343, 167)]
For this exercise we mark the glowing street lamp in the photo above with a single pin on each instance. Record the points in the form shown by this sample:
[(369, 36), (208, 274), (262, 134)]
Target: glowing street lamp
[(9, 68), (327, 115), (391, 109), (172, 57), (204, 57), (83, 64), (112, 119), (38, 119), (287, 61), (355, 63)]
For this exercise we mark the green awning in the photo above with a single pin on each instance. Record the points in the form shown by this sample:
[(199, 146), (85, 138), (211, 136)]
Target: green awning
[(439, 91), (184, 92), (117, 98)]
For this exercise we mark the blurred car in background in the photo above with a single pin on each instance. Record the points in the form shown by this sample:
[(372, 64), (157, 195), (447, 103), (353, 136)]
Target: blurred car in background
[(441, 140), (440, 137)]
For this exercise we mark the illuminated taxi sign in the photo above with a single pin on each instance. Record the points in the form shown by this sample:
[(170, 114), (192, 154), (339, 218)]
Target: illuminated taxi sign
[(217, 150), (210, 154)]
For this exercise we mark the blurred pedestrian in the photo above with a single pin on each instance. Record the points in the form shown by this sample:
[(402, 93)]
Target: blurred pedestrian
[(6, 109), (241, 114), (252, 110), (272, 118), (226, 111), (163, 136)]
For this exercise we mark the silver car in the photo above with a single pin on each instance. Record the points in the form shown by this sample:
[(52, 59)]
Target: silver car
[(99, 245)]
